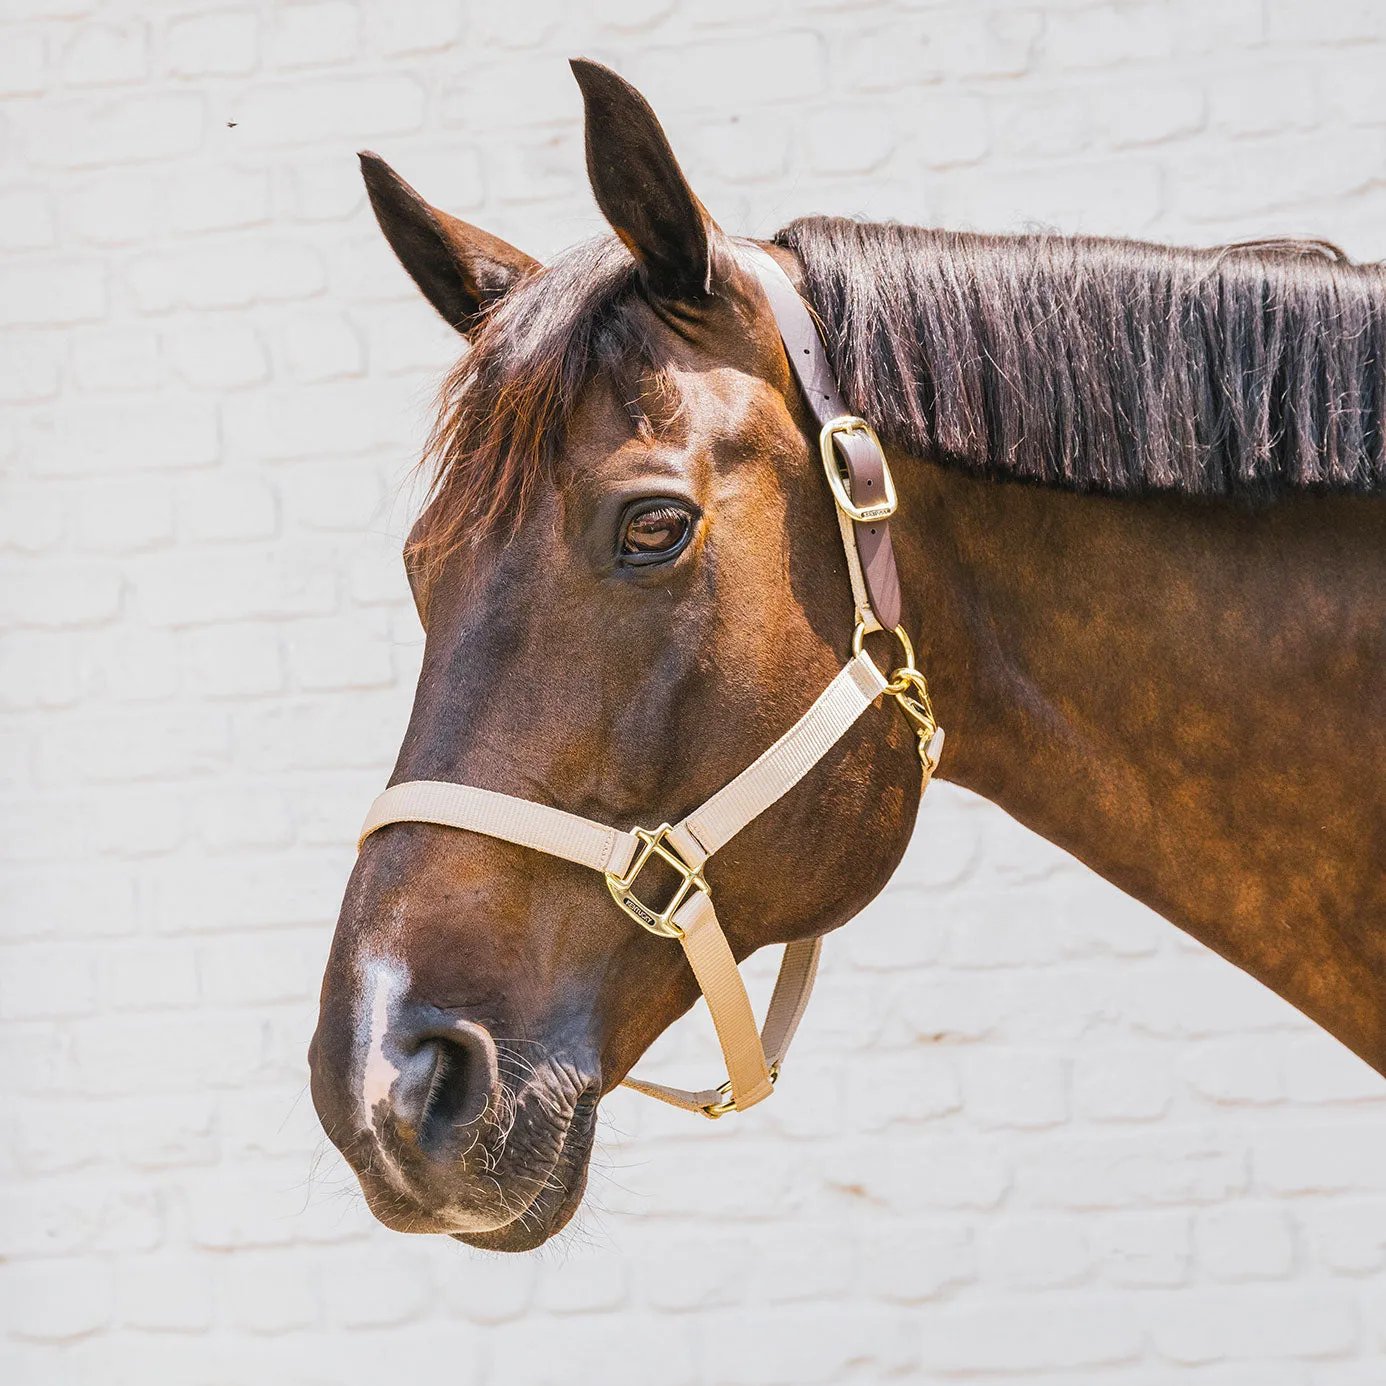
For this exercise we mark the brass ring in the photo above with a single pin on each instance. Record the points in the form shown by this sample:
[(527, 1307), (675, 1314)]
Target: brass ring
[(859, 636)]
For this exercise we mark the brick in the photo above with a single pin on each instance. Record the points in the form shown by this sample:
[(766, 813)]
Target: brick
[(87, 439), (37, 670), (261, 969), (150, 976), (165, 1294), (61, 1218), (652, 1349), (58, 1300), (1317, 1069), (110, 361), (1314, 1158), (344, 494), (237, 585), (1107, 35), (213, 896), (916, 1261), (234, 661), (596, 1281), (26, 219), (1171, 1166), (1334, 21), (307, 112), (28, 369), (1129, 1084), (89, 903), (1344, 1235), (1245, 1242), (115, 208), (127, 129), (168, 1132), (121, 749), (52, 294), (220, 42), (23, 63), (1013, 1088), (31, 518), (1267, 99), (137, 822), (851, 139), (267, 1292), (1210, 1325), (194, 1050), (222, 506), (778, 68), (134, 665), (313, 34), (126, 516), (218, 356), (1137, 113), (1034, 1253), (229, 1210), (323, 660), (42, 981), (1234, 1071), (322, 347), (219, 198), (917, 1085), (425, 26), (84, 594), (229, 275), (491, 1290), (106, 54), (1024, 1334), (923, 1174)]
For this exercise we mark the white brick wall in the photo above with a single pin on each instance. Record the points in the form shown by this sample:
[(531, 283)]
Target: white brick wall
[(1030, 1133)]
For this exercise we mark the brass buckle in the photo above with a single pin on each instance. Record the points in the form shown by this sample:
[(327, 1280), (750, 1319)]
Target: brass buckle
[(849, 423), (656, 844), (713, 1110)]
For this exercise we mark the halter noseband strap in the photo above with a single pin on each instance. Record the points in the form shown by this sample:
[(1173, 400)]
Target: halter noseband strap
[(861, 485)]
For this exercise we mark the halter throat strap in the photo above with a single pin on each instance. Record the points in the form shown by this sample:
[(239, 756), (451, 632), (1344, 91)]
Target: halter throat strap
[(859, 479)]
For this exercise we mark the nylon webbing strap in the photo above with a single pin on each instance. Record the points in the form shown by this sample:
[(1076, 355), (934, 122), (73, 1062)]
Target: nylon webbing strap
[(779, 769), (521, 821)]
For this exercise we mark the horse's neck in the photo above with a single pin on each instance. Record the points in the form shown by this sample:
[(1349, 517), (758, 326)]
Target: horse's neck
[(1189, 698)]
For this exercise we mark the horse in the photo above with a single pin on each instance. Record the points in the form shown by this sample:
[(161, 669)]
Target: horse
[(1141, 545)]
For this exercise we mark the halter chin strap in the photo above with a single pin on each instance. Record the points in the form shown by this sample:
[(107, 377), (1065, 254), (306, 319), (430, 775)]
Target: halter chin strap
[(860, 482)]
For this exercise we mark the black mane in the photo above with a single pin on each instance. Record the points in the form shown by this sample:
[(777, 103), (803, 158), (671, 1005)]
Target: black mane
[(1105, 365)]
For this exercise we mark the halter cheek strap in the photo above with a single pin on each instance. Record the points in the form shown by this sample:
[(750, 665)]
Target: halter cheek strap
[(857, 474)]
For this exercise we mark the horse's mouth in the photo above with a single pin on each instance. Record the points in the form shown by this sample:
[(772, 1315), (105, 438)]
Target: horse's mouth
[(559, 1195)]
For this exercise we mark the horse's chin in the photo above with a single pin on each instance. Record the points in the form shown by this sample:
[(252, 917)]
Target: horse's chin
[(557, 1200)]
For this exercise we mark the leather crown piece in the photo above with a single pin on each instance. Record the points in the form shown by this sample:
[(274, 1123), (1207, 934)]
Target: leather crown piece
[(860, 481)]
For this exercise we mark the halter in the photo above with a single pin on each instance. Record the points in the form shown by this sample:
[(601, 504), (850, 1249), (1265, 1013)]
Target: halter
[(864, 494)]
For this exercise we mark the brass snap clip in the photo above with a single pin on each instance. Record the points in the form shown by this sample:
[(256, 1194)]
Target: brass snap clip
[(910, 690)]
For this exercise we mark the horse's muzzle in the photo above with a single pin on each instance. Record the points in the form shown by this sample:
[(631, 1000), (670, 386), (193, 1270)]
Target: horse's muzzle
[(448, 1132)]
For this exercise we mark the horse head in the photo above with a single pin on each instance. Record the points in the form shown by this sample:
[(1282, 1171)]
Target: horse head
[(630, 580)]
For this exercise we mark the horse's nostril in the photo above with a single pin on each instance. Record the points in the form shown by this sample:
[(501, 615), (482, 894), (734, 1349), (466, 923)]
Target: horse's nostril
[(451, 1079)]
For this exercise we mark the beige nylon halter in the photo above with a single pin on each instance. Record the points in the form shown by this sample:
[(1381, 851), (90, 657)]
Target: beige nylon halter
[(752, 1058)]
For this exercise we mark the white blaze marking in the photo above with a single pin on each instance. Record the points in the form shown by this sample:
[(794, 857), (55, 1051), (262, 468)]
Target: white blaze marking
[(384, 981)]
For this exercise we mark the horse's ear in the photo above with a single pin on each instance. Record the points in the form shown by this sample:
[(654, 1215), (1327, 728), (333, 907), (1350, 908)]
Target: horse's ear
[(460, 268), (641, 189)]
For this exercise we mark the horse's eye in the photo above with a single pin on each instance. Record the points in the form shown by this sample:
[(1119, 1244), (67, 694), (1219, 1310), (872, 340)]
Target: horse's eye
[(655, 533)]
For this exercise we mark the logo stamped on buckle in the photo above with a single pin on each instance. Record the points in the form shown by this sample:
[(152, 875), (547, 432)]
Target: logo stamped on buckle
[(622, 888), (832, 467)]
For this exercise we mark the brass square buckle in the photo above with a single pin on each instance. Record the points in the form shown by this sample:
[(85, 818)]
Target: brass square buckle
[(656, 844), (837, 480)]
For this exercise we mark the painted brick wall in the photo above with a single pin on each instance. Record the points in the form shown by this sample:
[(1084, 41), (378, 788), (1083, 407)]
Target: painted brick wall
[(1030, 1134)]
